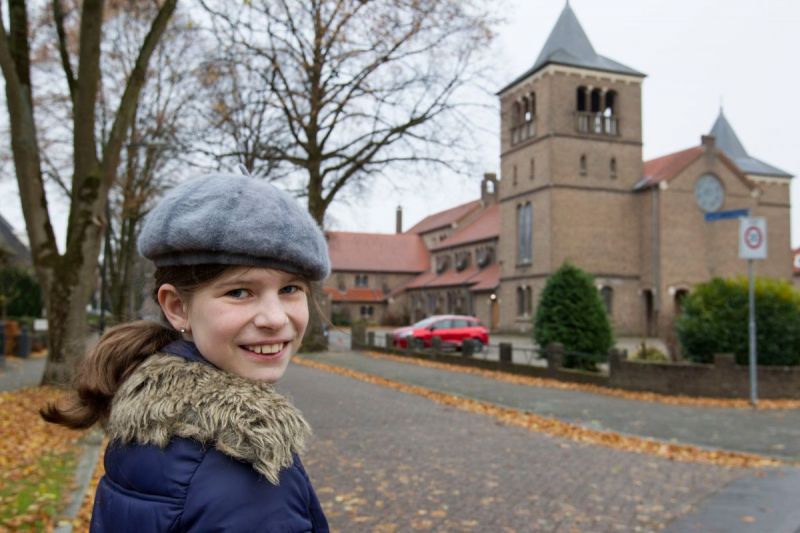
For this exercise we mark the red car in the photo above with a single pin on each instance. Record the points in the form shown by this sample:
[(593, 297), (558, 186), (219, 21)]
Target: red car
[(452, 330)]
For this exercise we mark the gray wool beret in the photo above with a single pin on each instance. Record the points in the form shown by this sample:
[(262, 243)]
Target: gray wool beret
[(230, 219)]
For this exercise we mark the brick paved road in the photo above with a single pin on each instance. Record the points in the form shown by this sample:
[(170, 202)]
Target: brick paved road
[(775, 433), (383, 460)]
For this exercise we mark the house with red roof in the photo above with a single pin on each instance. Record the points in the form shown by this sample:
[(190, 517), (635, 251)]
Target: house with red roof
[(446, 263)]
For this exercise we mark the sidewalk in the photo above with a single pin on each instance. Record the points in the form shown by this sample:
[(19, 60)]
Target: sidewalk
[(773, 433), (20, 373)]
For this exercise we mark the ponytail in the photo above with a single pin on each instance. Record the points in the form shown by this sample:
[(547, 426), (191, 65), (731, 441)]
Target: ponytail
[(118, 353)]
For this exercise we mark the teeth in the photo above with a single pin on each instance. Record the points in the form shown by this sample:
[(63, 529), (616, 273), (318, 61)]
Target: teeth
[(266, 348)]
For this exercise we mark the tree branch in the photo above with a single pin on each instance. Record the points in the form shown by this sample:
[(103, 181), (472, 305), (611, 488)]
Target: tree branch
[(58, 17), (136, 80)]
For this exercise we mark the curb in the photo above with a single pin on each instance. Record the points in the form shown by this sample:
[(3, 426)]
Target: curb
[(92, 443)]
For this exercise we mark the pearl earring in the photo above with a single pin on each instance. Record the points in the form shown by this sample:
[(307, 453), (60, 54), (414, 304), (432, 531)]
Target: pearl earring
[(183, 330)]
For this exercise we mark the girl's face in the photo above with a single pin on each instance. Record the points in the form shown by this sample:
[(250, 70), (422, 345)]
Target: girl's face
[(249, 321)]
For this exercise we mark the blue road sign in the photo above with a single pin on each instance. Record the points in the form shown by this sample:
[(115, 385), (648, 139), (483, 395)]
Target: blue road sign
[(723, 215)]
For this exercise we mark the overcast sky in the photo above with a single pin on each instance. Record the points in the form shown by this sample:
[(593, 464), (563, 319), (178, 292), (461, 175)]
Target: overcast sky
[(696, 54)]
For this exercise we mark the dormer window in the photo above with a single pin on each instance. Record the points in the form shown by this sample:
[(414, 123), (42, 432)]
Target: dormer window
[(442, 263), (462, 260), (484, 256)]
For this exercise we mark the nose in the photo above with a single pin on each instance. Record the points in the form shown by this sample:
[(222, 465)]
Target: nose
[(270, 313)]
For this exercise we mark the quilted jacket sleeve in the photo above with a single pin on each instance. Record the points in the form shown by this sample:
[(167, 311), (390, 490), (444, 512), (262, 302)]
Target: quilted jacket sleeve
[(226, 495)]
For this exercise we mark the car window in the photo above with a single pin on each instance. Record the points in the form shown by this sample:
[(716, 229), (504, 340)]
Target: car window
[(442, 324), (423, 323), (461, 323)]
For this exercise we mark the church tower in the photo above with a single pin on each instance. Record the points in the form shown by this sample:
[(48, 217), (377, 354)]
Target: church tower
[(571, 154)]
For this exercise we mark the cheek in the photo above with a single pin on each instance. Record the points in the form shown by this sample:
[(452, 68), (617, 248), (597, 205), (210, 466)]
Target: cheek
[(299, 315)]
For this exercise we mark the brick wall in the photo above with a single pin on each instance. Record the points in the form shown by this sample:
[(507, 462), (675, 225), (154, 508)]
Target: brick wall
[(723, 379)]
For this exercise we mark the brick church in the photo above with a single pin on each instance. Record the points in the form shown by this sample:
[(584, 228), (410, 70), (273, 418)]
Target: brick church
[(572, 187)]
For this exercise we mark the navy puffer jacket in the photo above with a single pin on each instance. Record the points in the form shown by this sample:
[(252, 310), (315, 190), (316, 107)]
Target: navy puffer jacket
[(197, 449)]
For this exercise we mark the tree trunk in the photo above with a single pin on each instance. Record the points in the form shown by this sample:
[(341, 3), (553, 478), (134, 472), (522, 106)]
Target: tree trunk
[(66, 317), (67, 280), (315, 339)]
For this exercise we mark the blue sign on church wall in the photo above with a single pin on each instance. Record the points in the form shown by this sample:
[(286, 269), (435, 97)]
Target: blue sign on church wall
[(723, 215)]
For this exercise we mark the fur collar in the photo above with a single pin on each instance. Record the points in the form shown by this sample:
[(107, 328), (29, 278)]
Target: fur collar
[(167, 396)]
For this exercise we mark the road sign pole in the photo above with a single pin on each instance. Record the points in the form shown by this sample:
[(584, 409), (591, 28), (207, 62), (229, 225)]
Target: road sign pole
[(752, 332)]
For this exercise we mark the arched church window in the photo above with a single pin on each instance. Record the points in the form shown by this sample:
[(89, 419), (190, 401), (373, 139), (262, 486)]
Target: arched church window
[(516, 113), (610, 107), (610, 113), (612, 168), (594, 101), (581, 100), (528, 301), (607, 295), (680, 298), (520, 301), (583, 165), (533, 169), (531, 111), (525, 233)]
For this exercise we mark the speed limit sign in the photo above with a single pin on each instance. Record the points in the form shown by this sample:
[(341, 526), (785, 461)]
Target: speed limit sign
[(753, 238)]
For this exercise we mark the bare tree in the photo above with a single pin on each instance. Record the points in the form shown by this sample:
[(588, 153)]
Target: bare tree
[(68, 278), (356, 86), (165, 123)]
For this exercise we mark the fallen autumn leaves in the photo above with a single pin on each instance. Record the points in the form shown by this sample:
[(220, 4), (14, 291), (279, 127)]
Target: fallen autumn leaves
[(37, 461), (550, 426)]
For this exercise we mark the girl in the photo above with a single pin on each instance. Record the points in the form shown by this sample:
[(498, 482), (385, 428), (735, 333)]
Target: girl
[(199, 439)]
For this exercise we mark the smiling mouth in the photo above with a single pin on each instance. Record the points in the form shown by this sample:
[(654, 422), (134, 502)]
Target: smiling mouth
[(266, 349)]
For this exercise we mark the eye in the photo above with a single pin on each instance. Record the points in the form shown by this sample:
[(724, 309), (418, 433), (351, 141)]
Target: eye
[(291, 289), (237, 293)]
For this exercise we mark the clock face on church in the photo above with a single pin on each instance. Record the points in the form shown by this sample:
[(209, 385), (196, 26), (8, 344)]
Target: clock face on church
[(708, 193)]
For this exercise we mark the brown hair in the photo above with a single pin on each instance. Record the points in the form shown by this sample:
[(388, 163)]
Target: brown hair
[(121, 350)]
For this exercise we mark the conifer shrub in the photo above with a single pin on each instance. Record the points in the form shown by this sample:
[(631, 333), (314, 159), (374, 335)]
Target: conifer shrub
[(20, 295), (571, 312), (714, 319)]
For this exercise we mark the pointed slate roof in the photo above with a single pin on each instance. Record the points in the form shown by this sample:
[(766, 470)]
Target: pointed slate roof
[(569, 45), (727, 140)]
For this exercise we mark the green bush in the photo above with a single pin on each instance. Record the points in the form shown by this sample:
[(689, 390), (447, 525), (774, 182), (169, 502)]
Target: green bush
[(650, 354), (715, 320), (20, 294), (572, 313)]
